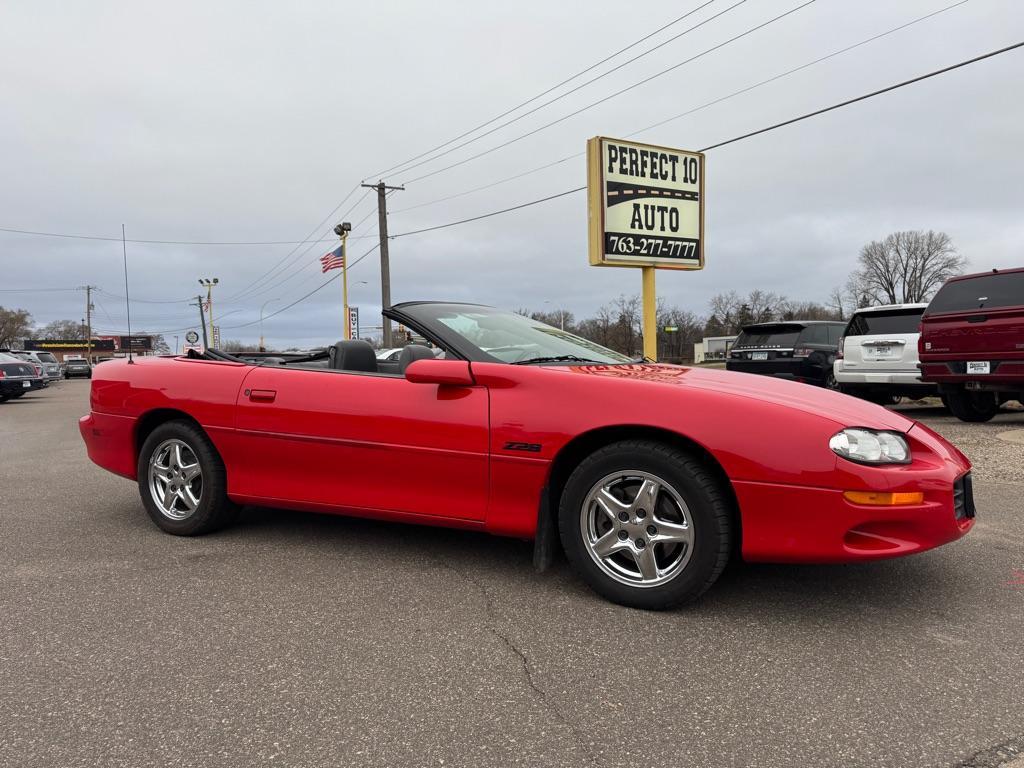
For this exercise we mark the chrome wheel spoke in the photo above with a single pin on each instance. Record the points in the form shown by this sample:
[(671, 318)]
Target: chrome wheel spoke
[(646, 497), (610, 505), (176, 461), (609, 544), (671, 533), (168, 498), (647, 563), (188, 498), (189, 472)]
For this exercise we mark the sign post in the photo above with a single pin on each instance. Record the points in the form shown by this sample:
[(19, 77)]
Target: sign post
[(646, 209)]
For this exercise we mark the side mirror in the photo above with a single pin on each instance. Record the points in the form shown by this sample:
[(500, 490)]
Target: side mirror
[(451, 372)]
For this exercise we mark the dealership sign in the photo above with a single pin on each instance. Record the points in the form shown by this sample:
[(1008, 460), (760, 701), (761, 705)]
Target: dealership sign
[(646, 205), (353, 322)]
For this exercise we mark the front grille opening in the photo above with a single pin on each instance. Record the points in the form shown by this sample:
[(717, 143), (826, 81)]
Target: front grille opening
[(963, 498)]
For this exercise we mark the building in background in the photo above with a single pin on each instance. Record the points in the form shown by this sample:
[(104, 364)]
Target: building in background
[(712, 348)]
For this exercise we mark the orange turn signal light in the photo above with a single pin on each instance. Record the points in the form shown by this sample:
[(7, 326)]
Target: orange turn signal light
[(883, 499)]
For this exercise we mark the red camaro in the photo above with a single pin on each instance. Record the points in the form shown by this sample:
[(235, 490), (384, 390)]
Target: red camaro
[(651, 476)]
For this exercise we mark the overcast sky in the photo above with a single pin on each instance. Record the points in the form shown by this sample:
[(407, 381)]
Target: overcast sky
[(243, 121)]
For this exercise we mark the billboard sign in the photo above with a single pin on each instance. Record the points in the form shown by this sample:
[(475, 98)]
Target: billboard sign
[(136, 342), (69, 345), (646, 205)]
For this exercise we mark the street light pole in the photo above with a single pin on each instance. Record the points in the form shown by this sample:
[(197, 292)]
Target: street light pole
[(268, 301), (209, 300)]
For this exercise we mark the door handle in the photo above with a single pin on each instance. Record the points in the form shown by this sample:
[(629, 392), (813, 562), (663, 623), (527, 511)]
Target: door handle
[(262, 395)]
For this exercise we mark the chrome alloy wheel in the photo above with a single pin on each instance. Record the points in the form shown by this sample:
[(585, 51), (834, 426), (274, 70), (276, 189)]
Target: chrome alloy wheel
[(175, 479), (637, 528)]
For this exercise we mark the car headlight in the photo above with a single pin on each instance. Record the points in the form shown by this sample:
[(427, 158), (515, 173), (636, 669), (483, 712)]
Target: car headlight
[(867, 446)]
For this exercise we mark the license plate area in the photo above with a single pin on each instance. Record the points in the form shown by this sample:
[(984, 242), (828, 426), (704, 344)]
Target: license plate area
[(26, 384), (758, 355), (978, 367)]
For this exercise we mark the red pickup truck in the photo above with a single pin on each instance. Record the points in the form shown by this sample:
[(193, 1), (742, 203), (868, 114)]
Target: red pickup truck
[(972, 342)]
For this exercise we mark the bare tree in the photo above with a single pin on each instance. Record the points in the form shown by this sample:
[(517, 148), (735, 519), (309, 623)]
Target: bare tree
[(906, 267), (15, 325), (62, 329)]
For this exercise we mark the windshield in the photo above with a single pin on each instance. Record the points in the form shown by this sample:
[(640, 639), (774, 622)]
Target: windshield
[(778, 336), (46, 357), (500, 336)]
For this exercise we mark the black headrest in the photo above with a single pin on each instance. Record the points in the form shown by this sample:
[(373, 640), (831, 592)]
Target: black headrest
[(413, 352), (354, 355)]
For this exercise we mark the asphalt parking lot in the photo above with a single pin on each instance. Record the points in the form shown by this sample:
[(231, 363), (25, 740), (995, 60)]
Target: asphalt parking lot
[(306, 640)]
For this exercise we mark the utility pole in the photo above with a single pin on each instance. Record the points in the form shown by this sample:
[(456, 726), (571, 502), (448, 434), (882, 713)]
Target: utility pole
[(385, 265), (88, 320), (202, 320)]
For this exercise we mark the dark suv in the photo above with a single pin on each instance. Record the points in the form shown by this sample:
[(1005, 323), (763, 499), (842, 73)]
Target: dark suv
[(801, 350), (972, 342)]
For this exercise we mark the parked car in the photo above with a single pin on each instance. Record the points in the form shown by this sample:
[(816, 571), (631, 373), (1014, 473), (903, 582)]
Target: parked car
[(651, 476), (972, 342), (45, 360), (877, 357), (17, 377), (799, 350), (77, 366)]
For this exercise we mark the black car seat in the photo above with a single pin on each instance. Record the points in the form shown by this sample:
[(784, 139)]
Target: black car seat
[(353, 355), (413, 352)]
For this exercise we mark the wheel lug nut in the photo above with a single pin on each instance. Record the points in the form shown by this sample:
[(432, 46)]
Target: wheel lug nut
[(623, 535), (652, 530), (641, 514), (623, 516), (640, 543)]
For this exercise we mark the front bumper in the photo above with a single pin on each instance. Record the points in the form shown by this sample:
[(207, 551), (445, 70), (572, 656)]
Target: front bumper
[(800, 524)]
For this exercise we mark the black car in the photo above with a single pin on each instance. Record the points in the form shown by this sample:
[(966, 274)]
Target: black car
[(77, 366), (17, 377), (801, 350)]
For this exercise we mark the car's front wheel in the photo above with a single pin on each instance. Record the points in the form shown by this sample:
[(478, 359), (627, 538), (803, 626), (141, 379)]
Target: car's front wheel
[(972, 406), (182, 481), (646, 525)]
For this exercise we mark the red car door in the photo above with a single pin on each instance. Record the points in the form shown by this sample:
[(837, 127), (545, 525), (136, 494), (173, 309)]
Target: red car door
[(362, 441)]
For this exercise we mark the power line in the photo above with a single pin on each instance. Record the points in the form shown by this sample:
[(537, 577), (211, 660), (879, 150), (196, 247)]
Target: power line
[(36, 290), (543, 93), (156, 242), (613, 95), (758, 132), (691, 111), (313, 231), (571, 91)]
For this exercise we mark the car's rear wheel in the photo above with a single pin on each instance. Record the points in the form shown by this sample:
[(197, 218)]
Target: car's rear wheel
[(830, 381), (645, 524), (183, 482), (972, 406)]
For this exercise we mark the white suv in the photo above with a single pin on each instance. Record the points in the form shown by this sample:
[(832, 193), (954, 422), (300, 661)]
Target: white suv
[(878, 354)]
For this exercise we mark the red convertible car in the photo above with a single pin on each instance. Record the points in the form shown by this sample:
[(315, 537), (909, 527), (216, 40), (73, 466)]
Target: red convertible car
[(649, 476)]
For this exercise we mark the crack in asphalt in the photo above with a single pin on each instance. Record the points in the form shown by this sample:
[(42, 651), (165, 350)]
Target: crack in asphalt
[(493, 617), (993, 757)]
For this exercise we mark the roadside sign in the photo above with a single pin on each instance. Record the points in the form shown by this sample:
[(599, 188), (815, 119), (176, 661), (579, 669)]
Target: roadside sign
[(353, 322), (192, 338), (216, 337), (646, 205), (671, 329), (197, 347)]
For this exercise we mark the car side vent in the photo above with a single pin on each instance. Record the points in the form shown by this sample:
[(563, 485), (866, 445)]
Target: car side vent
[(963, 498)]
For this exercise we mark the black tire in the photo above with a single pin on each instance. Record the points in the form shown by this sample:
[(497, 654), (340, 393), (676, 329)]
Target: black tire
[(214, 509), (972, 406), (829, 381), (684, 474), (4, 398)]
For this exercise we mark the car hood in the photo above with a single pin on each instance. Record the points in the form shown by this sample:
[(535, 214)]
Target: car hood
[(842, 409)]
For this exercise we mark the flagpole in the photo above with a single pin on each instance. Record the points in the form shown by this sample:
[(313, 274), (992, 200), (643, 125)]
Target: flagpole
[(344, 283)]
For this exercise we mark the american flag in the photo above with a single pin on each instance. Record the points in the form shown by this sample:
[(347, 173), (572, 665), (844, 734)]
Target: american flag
[(206, 305), (333, 260)]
